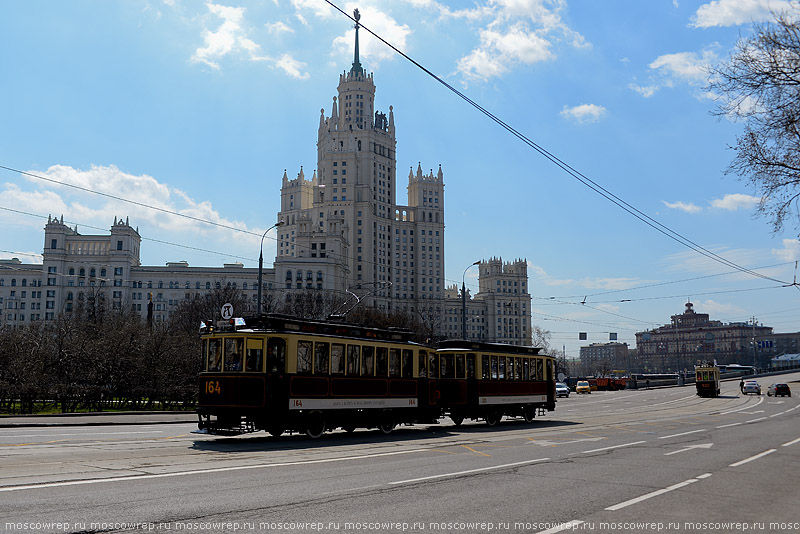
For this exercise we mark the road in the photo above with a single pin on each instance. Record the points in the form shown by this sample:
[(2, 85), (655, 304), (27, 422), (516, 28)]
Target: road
[(627, 461)]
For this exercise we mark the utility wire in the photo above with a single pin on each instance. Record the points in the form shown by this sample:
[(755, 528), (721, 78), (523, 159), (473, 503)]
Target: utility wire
[(632, 210)]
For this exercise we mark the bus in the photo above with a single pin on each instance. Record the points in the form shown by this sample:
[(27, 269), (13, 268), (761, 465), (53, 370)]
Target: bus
[(707, 380), (278, 374)]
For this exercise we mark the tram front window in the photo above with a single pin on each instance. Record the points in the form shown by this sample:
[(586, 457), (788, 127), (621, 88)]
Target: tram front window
[(215, 355)]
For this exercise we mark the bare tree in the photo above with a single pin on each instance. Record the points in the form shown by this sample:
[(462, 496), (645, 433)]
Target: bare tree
[(760, 85)]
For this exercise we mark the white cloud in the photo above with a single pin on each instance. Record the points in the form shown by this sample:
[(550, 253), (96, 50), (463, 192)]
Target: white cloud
[(714, 308), (790, 250), (292, 67), (735, 12), (669, 70), (688, 207), (229, 38), (584, 113), (515, 32), (733, 202), (278, 28), (72, 198)]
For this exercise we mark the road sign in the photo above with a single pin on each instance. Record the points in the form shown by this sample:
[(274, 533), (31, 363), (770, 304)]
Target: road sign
[(226, 311)]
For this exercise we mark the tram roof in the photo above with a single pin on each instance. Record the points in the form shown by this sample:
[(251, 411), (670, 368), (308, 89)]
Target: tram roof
[(294, 325), (464, 345)]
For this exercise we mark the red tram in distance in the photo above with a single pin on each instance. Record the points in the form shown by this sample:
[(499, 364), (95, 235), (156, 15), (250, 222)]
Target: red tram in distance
[(280, 374)]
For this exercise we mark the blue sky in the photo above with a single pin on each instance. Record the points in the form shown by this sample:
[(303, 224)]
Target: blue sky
[(198, 108)]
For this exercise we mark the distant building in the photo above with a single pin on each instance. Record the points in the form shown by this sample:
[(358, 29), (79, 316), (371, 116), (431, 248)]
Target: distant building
[(692, 337), (606, 357)]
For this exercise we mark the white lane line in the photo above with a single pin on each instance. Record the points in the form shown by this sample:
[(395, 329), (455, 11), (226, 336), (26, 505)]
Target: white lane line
[(197, 472), (683, 434), (651, 495), (754, 420), (614, 447), (572, 525), (777, 414), (731, 424), (745, 407), (791, 442), (58, 435), (704, 475), (459, 473), (756, 457)]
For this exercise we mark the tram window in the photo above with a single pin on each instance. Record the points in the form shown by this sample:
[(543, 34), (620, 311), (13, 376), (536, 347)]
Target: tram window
[(470, 366), (381, 366), (276, 355), (511, 368), (460, 371), (368, 362), (233, 353), (304, 356), (501, 374), (394, 362), (485, 367), (408, 363), (494, 367), (353, 359), (539, 369), (447, 369), (321, 358), (255, 355), (526, 369), (337, 359), (215, 355), (699, 375), (423, 364), (433, 366), (517, 368)]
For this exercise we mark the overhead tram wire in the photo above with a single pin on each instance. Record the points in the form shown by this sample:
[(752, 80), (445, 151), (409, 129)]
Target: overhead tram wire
[(594, 186)]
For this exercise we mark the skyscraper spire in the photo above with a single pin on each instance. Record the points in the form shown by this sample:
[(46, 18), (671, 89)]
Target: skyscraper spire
[(356, 69)]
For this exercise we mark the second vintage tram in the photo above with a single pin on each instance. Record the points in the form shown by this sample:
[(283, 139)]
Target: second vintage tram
[(280, 374), (707, 380)]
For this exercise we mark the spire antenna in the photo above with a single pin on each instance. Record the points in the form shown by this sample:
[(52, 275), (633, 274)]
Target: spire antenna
[(356, 69)]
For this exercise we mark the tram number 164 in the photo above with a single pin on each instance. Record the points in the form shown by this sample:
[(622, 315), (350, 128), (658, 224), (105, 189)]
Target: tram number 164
[(213, 387)]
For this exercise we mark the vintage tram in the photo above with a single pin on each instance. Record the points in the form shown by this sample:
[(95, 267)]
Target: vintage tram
[(707, 380), (278, 374)]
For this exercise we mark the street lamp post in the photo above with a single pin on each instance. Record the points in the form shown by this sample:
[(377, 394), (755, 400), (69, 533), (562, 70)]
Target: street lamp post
[(261, 260), (464, 301)]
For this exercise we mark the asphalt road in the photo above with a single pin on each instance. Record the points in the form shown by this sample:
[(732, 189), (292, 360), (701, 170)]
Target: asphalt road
[(628, 461)]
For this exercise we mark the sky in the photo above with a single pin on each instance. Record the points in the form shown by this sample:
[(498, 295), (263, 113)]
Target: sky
[(199, 108)]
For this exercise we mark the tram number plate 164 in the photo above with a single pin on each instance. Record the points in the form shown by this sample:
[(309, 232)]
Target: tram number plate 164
[(213, 387)]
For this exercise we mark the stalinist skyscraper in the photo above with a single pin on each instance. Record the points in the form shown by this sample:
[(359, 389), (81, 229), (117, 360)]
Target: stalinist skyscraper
[(343, 229)]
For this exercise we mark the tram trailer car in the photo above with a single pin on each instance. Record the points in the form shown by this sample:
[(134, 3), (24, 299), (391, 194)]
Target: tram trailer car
[(486, 381), (278, 374)]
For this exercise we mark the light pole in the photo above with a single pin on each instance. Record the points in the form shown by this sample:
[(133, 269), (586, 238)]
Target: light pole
[(464, 302), (261, 260)]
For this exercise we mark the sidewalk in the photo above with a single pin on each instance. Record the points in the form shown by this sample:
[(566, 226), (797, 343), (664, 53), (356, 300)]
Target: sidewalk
[(97, 419)]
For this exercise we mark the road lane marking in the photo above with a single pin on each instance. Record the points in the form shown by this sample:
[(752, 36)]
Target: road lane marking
[(745, 407), (791, 442), (690, 447), (467, 472), (651, 495), (754, 420), (683, 433), (476, 452), (197, 472), (614, 447), (704, 475), (730, 424), (572, 525), (756, 457)]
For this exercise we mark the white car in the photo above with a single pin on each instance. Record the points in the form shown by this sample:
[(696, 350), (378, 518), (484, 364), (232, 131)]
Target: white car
[(751, 386), (562, 390)]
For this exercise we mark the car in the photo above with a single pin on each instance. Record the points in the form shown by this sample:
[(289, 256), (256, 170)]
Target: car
[(562, 390), (583, 387), (751, 386), (777, 389)]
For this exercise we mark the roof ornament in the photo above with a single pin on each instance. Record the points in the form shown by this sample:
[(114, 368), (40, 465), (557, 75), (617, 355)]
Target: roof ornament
[(356, 69)]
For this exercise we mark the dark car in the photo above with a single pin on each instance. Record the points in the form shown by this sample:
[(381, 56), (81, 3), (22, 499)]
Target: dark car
[(779, 389)]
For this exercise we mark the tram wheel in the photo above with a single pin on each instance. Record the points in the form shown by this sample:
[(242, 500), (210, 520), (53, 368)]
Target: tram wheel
[(386, 424), (457, 419), (276, 431), (528, 413), (493, 417), (315, 426), (349, 428)]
